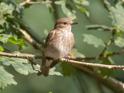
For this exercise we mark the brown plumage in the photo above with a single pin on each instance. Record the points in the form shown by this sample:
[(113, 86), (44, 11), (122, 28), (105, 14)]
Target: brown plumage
[(58, 44)]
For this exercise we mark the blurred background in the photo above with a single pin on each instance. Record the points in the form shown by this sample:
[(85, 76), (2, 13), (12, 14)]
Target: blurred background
[(41, 20)]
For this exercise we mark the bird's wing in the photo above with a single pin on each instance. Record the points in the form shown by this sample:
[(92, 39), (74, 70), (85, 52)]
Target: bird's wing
[(46, 63), (50, 37)]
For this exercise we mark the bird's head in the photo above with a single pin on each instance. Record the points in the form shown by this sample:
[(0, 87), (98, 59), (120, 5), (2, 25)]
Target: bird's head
[(64, 22)]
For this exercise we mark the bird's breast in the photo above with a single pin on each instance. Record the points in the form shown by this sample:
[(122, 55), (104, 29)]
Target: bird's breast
[(61, 45), (64, 45)]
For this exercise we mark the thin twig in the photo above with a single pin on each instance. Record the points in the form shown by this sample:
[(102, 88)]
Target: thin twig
[(29, 39), (107, 5), (111, 83), (28, 2), (102, 27), (116, 53)]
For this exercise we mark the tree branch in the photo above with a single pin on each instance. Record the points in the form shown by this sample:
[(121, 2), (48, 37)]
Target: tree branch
[(25, 30), (29, 56), (29, 39), (115, 85), (109, 82), (111, 67)]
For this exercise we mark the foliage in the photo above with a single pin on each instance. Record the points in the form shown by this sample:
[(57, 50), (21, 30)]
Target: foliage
[(90, 39), (9, 33), (10, 18), (9, 26), (6, 78)]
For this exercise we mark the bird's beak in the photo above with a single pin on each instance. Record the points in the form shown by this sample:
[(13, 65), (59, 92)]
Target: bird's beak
[(74, 23)]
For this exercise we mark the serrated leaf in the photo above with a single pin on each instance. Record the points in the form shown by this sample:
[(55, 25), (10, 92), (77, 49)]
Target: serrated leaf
[(117, 14), (5, 61), (6, 10), (54, 72), (6, 78), (93, 40), (22, 66), (119, 42)]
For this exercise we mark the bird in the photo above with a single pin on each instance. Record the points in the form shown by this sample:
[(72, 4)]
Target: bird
[(58, 44)]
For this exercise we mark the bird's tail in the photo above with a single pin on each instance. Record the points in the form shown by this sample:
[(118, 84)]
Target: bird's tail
[(46, 65), (45, 70)]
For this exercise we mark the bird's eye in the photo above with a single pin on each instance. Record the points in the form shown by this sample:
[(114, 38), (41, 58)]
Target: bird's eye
[(65, 23)]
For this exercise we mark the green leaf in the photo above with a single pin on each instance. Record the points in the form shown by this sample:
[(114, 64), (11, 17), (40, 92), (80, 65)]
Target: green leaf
[(14, 40), (1, 49), (6, 10), (1, 30), (83, 10), (6, 78), (67, 69), (65, 10), (119, 42), (22, 66), (76, 53), (4, 37), (93, 40), (117, 14), (5, 61), (54, 72), (82, 2), (60, 2), (79, 4), (106, 72), (50, 92)]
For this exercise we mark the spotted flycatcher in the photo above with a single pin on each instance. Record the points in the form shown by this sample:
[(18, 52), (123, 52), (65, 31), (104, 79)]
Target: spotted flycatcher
[(59, 43)]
